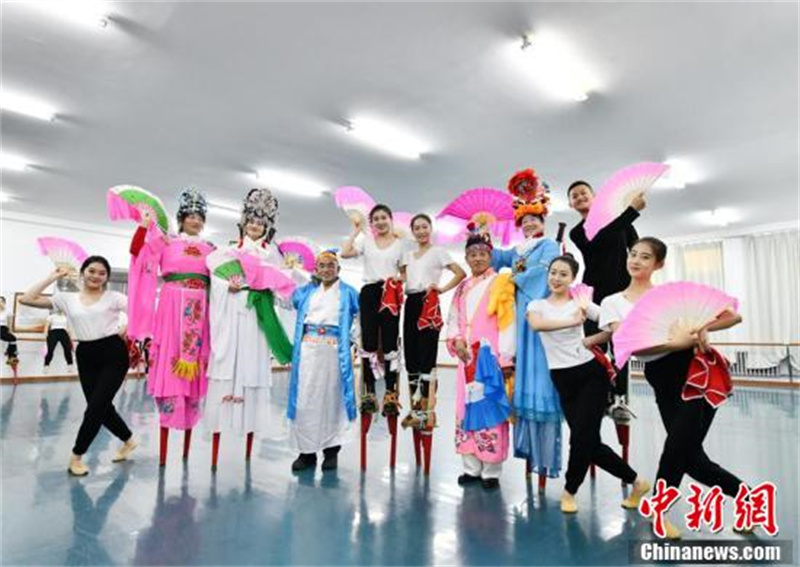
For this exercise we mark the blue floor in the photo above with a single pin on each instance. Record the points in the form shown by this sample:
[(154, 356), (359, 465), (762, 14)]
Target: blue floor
[(135, 513)]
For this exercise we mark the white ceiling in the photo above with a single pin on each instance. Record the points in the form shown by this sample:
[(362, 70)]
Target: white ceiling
[(171, 94)]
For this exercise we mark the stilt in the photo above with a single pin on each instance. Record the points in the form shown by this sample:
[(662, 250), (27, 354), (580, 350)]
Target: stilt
[(592, 471), (528, 469), (187, 442), (366, 418), (162, 453), (417, 446), (427, 449), (542, 482), (624, 437), (249, 450), (215, 450), (392, 423)]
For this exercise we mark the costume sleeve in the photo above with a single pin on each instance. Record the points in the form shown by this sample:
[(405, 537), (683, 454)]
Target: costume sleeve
[(143, 282), (502, 258), (622, 223)]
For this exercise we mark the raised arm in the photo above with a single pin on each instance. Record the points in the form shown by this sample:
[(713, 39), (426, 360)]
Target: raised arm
[(33, 297)]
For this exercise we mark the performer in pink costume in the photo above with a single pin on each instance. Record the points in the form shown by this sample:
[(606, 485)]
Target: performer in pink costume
[(179, 326)]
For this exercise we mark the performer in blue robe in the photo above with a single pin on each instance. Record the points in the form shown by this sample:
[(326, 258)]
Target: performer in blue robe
[(537, 426), (322, 403)]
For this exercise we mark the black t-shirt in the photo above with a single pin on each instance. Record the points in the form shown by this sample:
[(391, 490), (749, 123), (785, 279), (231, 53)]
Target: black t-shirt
[(605, 256)]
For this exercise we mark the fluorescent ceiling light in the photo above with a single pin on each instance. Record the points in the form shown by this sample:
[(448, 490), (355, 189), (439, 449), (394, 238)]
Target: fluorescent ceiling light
[(5, 197), (680, 174), (91, 13), (720, 217), (224, 209), (555, 66), (558, 204), (386, 137), (13, 163), (290, 183), (20, 104)]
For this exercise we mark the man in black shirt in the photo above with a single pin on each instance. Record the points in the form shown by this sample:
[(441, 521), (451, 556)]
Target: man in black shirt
[(605, 259)]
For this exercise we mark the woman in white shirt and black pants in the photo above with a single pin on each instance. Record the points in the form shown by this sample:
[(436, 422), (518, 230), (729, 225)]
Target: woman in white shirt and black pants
[(422, 270), (581, 381), (379, 305), (102, 354), (57, 334)]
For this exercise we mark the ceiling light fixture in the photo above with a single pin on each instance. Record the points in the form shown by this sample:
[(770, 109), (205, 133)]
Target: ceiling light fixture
[(10, 162), (27, 106), (386, 137), (92, 13), (5, 197), (290, 183), (721, 217), (555, 66), (680, 174), (224, 209)]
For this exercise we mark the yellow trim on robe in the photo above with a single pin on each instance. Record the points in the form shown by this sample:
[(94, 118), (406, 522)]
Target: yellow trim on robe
[(501, 300)]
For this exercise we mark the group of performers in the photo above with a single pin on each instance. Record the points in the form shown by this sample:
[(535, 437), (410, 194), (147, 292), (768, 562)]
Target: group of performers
[(528, 353)]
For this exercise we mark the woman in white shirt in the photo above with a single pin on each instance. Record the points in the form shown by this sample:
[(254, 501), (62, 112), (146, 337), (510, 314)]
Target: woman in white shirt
[(665, 369), (379, 301), (422, 270), (57, 334), (102, 353), (581, 381)]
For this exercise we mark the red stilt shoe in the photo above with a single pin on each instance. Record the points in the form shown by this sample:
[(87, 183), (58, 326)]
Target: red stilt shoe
[(542, 482), (162, 451), (249, 450), (187, 443)]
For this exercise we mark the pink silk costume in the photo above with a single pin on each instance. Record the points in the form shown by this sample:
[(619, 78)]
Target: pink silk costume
[(178, 326), (489, 445)]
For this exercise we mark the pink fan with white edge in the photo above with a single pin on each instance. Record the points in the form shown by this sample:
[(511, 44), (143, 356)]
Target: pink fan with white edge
[(260, 275), (667, 310), (486, 207), (64, 253), (582, 293), (298, 251), (401, 221), (355, 202), (616, 194)]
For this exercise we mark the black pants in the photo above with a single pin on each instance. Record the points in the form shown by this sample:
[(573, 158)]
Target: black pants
[(583, 390), (11, 339), (687, 424), (379, 330), (102, 366), (54, 338), (420, 347)]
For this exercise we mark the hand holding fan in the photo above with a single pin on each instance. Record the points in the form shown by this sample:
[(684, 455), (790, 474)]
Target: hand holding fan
[(582, 294), (130, 203), (64, 253), (259, 275), (666, 312), (616, 194), (356, 203), (298, 252)]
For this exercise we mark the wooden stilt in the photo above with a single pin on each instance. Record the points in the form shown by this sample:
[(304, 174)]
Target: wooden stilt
[(542, 482), (417, 446), (528, 469), (427, 449), (187, 443), (215, 450), (162, 451), (392, 422), (366, 419), (249, 450)]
